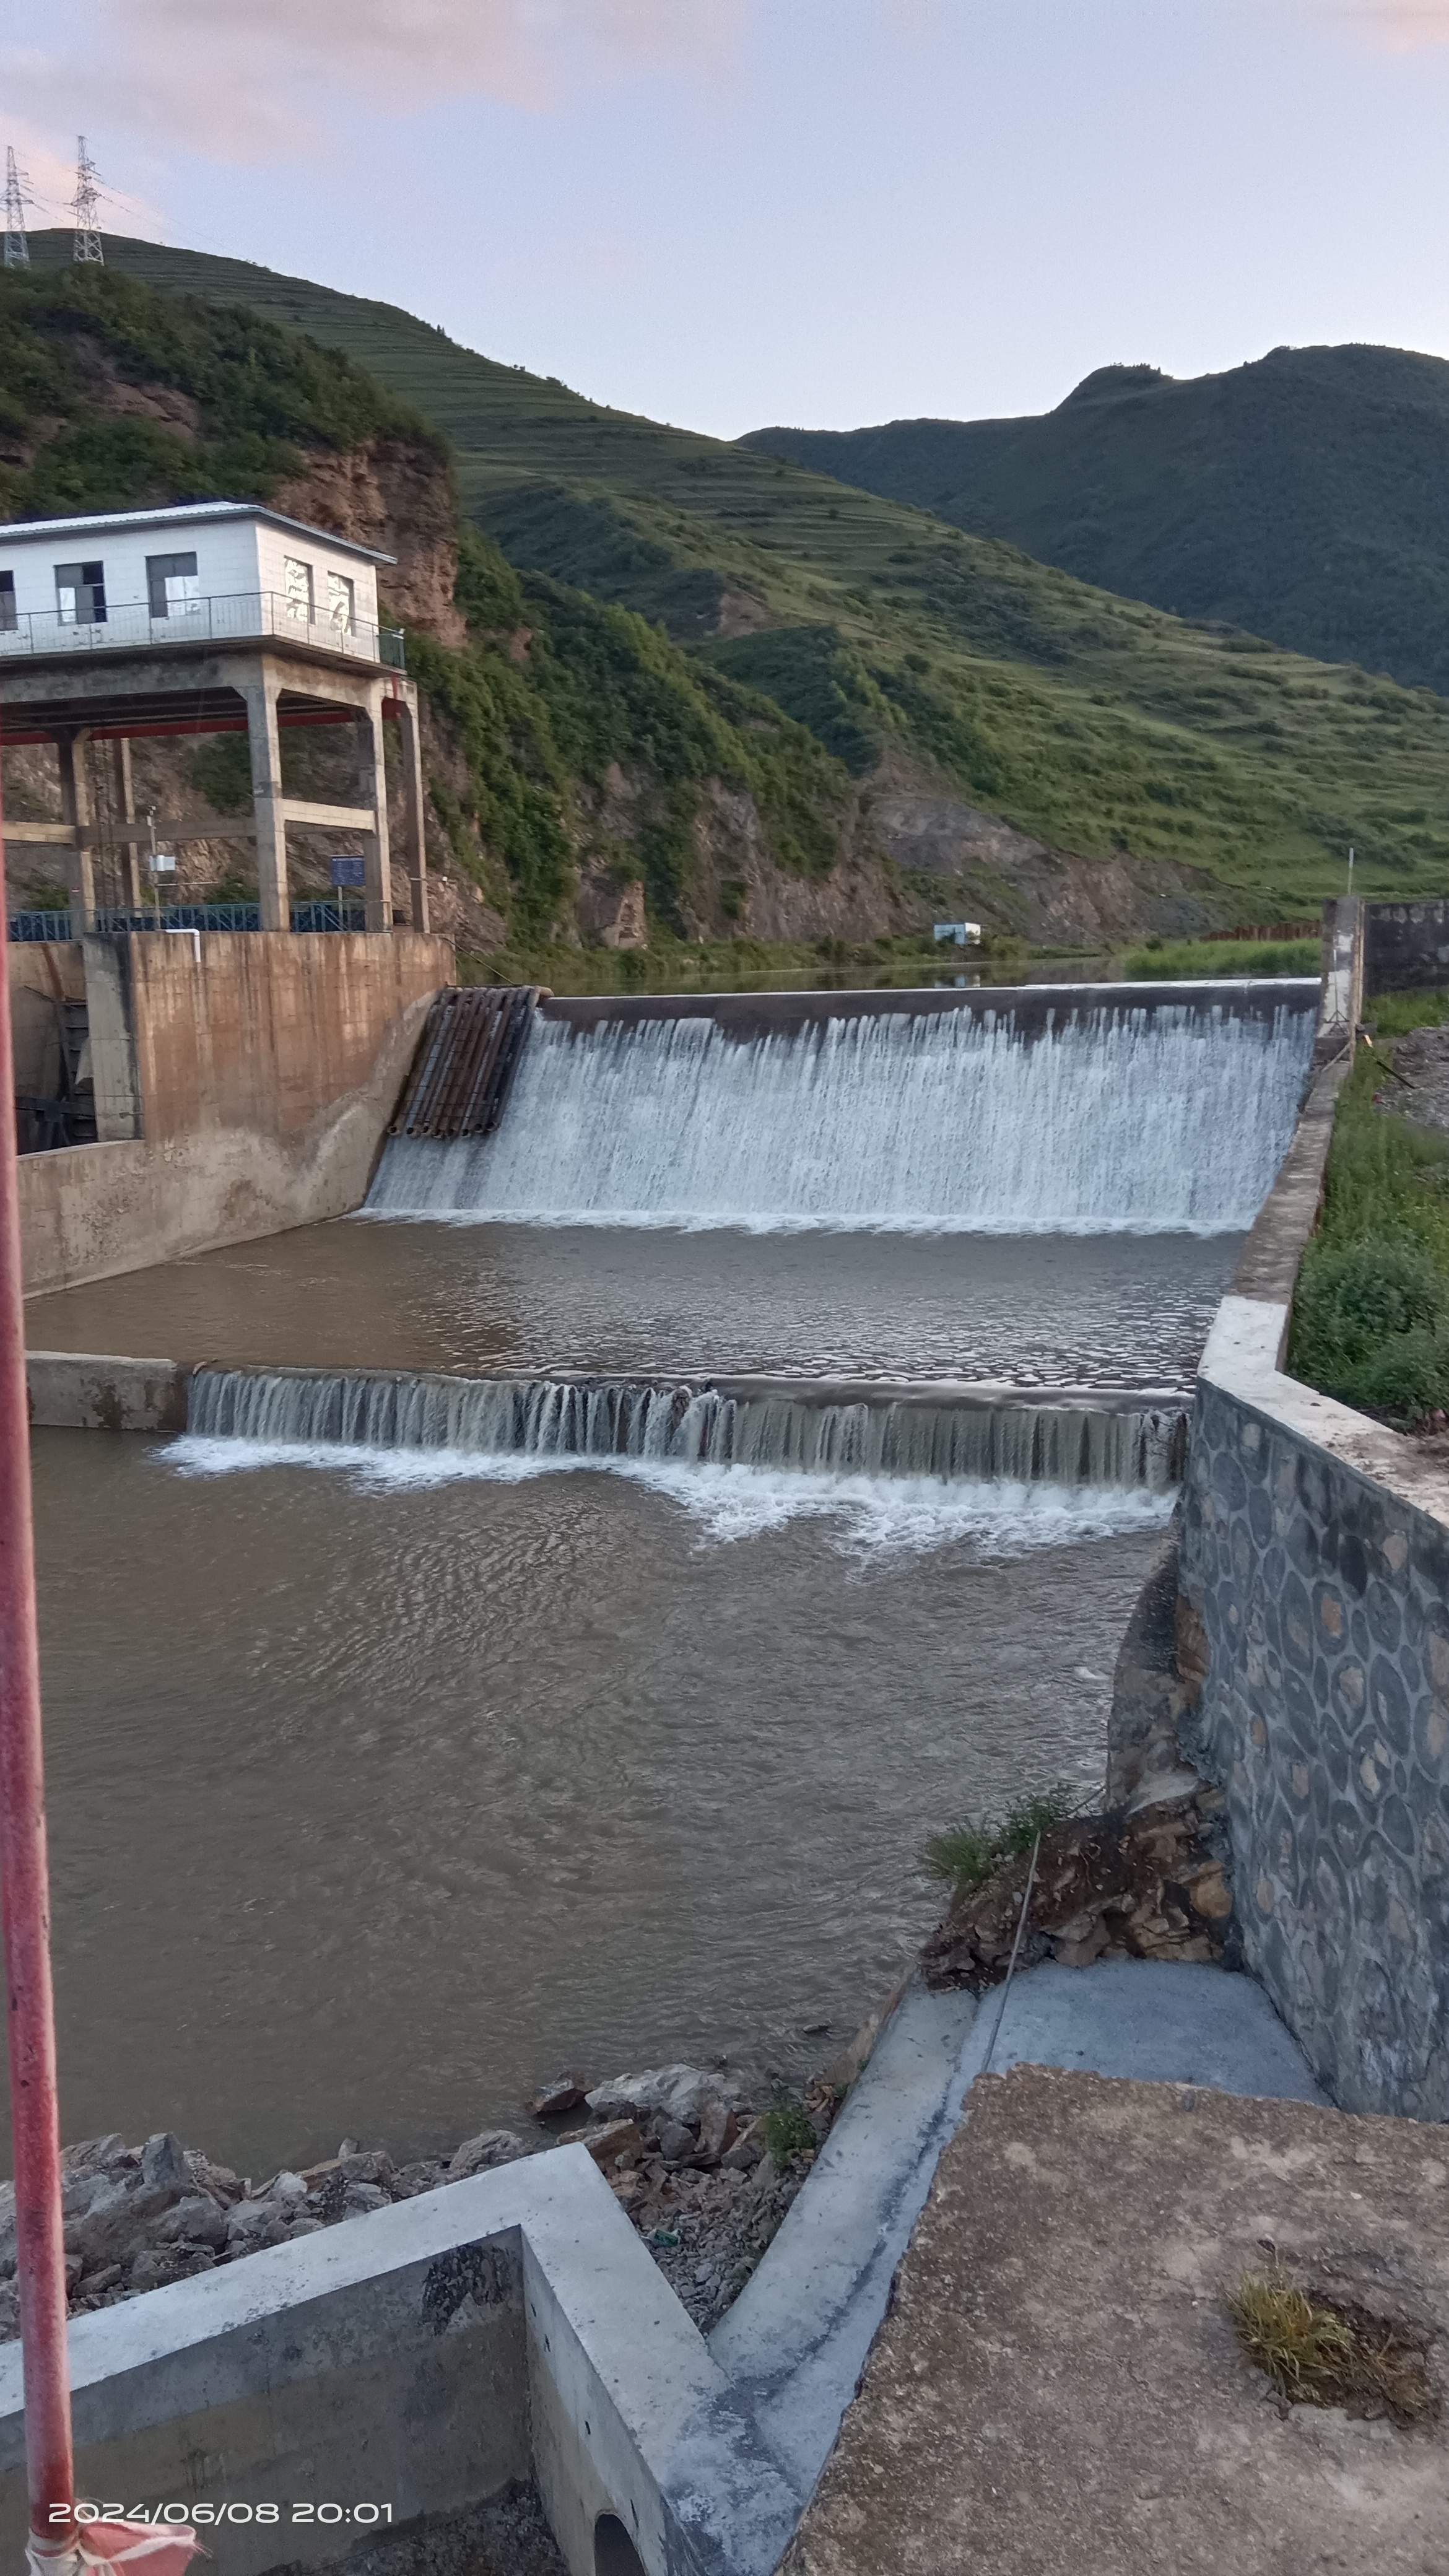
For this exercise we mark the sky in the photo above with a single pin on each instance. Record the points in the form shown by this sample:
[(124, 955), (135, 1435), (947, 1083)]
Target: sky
[(732, 213)]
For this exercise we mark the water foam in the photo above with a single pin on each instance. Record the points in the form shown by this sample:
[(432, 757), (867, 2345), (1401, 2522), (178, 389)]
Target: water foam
[(1118, 1120), (817, 1429), (866, 1515)]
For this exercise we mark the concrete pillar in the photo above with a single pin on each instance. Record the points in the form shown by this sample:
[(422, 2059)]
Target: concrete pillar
[(75, 806), (125, 796), (1341, 1008), (409, 741), (372, 790), (111, 1027), (265, 743)]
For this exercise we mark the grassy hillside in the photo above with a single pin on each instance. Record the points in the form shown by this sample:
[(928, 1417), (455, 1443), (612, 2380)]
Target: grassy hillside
[(1096, 724), (114, 396), (234, 405), (595, 691), (1301, 498)]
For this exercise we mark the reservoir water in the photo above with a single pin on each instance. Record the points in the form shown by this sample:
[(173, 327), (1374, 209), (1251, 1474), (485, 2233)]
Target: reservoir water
[(1048, 1310)]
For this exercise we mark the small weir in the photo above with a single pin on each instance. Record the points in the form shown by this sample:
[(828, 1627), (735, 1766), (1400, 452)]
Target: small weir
[(1036, 1112), (794, 1427)]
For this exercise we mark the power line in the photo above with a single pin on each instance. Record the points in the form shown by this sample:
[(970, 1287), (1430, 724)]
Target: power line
[(87, 207), (17, 248)]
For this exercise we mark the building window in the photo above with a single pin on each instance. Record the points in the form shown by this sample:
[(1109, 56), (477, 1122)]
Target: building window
[(341, 601), (80, 594), (9, 621), (172, 584), (297, 582)]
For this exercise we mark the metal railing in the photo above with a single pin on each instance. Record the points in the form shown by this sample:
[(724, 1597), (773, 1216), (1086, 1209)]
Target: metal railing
[(230, 619), (321, 915)]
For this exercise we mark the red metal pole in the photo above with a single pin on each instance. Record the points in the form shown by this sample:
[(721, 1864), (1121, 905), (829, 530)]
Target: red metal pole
[(24, 1884)]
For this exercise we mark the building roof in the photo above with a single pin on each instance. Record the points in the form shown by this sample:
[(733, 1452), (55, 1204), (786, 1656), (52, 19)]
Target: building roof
[(187, 513)]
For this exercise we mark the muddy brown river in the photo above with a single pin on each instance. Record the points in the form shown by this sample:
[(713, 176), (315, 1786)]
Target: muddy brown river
[(375, 1801)]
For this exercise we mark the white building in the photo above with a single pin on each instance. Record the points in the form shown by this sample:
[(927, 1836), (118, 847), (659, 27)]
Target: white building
[(219, 617), (209, 572)]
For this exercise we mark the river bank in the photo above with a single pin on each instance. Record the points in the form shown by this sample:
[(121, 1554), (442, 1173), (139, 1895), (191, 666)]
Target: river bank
[(704, 2173), (703, 2162)]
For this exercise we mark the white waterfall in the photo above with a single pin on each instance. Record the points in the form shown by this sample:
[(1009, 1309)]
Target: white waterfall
[(1163, 1120), (927, 1435)]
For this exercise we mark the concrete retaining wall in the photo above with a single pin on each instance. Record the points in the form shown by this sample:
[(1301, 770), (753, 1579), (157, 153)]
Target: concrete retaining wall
[(427, 2357), (1315, 1556), (260, 1074), (1313, 1644), (92, 1391)]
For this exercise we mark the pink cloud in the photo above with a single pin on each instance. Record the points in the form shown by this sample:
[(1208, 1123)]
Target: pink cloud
[(256, 79), (1404, 26)]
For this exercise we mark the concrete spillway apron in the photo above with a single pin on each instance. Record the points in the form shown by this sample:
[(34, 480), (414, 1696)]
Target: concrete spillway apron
[(24, 1889), (799, 2335)]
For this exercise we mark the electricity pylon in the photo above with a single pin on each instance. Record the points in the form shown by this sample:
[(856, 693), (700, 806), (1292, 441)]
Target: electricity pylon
[(17, 248), (87, 207)]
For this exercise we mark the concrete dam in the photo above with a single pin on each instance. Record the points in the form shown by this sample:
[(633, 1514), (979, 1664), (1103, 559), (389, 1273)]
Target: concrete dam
[(1028, 1113), (1052, 1116)]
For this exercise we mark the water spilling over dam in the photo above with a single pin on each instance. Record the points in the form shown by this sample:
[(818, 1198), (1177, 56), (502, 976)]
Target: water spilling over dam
[(821, 1429), (1086, 1118)]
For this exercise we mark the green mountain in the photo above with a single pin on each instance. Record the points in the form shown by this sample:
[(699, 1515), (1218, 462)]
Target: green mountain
[(1302, 497), (571, 750), (997, 712)]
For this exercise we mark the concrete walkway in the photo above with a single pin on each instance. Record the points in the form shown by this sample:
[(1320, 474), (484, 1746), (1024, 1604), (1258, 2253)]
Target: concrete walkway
[(796, 2340), (1143, 2018), (1058, 2389)]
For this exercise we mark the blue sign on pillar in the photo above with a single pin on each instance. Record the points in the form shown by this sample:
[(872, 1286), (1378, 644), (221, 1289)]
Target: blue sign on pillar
[(348, 872)]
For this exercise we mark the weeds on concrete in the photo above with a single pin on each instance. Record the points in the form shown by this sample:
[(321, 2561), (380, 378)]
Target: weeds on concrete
[(965, 1855), (1325, 2352)]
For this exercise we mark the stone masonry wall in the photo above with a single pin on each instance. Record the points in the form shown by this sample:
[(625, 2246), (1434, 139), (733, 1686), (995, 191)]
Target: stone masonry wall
[(1323, 1600)]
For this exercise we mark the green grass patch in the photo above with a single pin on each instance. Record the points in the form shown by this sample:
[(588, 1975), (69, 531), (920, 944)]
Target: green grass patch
[(1177, 959), (1371, 1310), (964, 1856), (787, 2131)]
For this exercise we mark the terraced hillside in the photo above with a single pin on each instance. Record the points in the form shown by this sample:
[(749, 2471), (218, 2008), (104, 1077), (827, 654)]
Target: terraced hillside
[(1301, 497), (1001, 712)]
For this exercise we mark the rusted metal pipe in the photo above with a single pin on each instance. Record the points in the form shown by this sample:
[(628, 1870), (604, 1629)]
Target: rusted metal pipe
[(25, 1888)]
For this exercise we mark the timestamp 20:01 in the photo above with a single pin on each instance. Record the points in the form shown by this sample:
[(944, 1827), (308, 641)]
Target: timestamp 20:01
[(204, 2516)]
